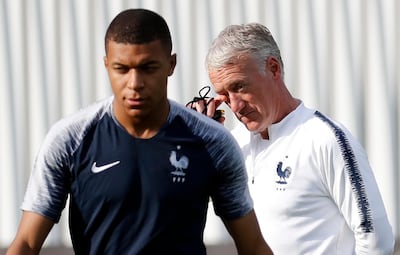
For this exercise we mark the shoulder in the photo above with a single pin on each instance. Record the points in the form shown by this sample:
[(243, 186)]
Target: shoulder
[(83, 117), (332, 142), (214, 136), (327, 130), (71, 129), (199, 124)]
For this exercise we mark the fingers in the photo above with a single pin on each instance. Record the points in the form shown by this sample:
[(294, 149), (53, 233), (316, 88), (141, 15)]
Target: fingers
[(211, 107), (213, 112), (205, 106), (200, 106), (219, 99), (208, 106), (219, 116)]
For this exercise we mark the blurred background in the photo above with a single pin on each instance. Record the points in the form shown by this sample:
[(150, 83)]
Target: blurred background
[(340, 56)]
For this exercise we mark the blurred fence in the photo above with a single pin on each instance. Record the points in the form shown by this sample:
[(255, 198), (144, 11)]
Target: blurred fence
[(341, 57)]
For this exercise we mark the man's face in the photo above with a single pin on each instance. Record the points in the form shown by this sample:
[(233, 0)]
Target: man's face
[(138, 75), (251, 94)]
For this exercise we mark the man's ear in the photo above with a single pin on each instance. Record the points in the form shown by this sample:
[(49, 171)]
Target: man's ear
[(105, 60), (172, 64), (273, 66)]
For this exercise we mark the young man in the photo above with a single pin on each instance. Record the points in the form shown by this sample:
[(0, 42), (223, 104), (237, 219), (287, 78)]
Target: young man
[(313, 189), (139, 168)]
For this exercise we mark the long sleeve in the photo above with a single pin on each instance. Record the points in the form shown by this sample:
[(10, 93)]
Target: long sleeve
[(353, 187)]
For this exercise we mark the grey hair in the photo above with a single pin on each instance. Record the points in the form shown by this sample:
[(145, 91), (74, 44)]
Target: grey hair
[(236, 41)]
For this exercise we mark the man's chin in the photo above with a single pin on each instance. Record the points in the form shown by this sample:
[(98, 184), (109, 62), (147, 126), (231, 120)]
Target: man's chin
[(137, 113), (251, 126)]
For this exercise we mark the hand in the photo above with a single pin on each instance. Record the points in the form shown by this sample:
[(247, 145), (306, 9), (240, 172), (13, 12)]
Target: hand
[(207, 105)]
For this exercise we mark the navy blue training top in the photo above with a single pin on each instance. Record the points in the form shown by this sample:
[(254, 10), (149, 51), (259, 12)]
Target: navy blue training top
[(138, 196)]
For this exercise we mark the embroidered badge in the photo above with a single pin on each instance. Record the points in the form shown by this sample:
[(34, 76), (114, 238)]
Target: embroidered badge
[(180, 162), (283, 175)]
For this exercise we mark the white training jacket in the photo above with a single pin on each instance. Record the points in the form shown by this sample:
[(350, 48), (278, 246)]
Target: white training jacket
[(313, 188)]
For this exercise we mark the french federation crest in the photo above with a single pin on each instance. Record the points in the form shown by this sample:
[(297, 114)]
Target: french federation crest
[(283, 174), (180, 162)]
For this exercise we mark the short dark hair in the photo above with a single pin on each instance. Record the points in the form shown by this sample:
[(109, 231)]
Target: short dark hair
[(138, 26)]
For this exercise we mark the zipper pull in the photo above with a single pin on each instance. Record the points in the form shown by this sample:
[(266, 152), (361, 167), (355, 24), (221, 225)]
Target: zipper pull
[(252, 180)]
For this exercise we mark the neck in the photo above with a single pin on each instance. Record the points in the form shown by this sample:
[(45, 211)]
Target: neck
[(286, 110), (264, 134), (147, 125)]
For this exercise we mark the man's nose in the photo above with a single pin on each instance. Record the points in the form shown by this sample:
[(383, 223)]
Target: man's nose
[(235, 103), (135, 80)]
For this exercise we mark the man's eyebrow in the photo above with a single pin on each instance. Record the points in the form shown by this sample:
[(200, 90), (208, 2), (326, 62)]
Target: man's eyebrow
[(151, 62), (233, 84), (146, 63), (118, 64)]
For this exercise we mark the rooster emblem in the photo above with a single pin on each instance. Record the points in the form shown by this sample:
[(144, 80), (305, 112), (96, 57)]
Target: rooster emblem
[(283, 174), (180, 164)]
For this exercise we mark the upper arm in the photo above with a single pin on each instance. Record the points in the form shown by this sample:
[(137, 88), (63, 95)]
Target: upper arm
[(247, 236), (350, 181), (32, 231)]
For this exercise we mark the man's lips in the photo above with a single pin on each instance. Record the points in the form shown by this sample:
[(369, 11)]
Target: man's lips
[(135, 101), (240, 116)]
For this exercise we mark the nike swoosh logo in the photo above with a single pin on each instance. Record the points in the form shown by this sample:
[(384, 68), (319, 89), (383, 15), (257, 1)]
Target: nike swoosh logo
[(97, 169)]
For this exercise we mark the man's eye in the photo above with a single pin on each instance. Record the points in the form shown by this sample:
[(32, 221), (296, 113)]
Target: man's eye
[(239, 87), (149, 69), (121, 69)]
